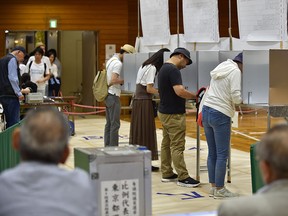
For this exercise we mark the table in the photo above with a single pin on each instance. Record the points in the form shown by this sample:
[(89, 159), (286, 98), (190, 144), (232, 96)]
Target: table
[(68, 105)]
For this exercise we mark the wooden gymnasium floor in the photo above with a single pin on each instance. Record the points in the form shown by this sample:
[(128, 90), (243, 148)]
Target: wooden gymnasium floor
[(168, 198)]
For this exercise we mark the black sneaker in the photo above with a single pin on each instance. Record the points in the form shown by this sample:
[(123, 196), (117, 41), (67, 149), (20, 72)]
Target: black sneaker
[(154, 169), (188, 182), (172, 178)]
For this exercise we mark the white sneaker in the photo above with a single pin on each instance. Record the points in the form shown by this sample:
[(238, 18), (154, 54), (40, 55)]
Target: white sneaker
[(212, 191), (224, 193)]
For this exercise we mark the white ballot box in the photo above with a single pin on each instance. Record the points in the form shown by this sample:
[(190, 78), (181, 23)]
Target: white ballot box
[(122, 177)]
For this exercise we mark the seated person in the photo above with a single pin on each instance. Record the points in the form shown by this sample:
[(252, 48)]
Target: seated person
[(38, 186), (26, 85), (272, 153)]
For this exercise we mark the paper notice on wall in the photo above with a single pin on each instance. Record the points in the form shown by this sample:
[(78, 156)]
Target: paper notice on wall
[(155, 22), (110, 50), (200, 19), (262, 20)]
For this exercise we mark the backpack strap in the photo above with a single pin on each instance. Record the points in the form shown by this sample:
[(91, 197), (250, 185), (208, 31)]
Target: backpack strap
[(29, 67), (109, 64), (108, 68), (45, 67)]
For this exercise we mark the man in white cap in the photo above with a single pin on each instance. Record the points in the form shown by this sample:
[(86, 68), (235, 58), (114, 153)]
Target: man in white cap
[(113, 68), (10, 92)]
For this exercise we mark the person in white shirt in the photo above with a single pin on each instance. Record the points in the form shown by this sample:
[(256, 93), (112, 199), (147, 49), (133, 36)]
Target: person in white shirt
[(54, 82), (22, 65), (112, 101), (142, 127), (44, 59), (218, 109), (59, 67), (39, 71)]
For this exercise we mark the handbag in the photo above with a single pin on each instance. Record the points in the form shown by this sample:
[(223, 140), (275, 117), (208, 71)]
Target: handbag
[(155, 108), (200, 99)]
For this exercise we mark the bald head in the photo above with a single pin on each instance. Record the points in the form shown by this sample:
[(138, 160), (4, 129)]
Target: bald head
[(44, 135)]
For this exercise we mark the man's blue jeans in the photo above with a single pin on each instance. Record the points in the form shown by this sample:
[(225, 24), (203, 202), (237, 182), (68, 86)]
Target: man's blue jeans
[(11, 106), (217, 128), (111, 133)]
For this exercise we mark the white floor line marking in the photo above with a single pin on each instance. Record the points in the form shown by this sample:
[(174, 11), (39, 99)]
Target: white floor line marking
[(256, 132), (245, 135)]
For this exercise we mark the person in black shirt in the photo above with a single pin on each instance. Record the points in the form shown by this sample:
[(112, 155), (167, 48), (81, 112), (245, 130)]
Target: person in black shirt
[(172, 116)]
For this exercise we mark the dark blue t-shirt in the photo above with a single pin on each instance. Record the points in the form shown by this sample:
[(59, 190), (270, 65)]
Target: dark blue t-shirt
[(170, 103)]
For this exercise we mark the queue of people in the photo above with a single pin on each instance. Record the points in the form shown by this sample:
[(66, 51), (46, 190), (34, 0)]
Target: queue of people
[(219, 107), (225, 78)]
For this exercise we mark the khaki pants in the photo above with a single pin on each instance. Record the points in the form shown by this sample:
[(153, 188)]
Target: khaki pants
[(173, 145)]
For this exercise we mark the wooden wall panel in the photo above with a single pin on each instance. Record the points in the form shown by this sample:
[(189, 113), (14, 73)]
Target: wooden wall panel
[(115, 21), (223, 8), (110, 20)]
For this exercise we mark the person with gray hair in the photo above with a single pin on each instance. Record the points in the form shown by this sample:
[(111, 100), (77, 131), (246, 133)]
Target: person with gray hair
[(10, 92), (38, 186), (272, 153)]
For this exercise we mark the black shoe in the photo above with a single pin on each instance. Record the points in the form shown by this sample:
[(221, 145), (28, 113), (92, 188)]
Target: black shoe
[(172, 178), (188, 182), (154, 169)]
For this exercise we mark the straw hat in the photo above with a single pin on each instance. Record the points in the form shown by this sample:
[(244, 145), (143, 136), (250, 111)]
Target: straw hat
[(128, 48)]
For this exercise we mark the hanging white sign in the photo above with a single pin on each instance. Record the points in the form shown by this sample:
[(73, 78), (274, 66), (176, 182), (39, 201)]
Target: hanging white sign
[(200, 19), (262, 20), (155, 22)]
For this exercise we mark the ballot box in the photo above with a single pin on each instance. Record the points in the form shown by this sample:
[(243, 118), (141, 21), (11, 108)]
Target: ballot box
[(256, 177), (121, 176)]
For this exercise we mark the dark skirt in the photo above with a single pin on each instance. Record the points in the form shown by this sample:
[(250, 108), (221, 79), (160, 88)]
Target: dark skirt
[(142, 128)]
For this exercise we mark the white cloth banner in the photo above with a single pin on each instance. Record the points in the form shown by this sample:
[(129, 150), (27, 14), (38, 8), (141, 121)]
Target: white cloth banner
[(262, 20), (155, 22), (200, 19)]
